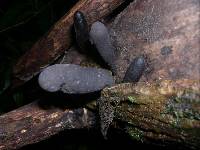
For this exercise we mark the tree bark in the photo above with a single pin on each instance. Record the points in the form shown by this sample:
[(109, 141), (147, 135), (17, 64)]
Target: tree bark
[(165, 32), (32, 123), (165, 113)]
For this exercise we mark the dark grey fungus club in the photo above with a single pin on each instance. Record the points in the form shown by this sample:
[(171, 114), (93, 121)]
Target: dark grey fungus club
[(74, 79)]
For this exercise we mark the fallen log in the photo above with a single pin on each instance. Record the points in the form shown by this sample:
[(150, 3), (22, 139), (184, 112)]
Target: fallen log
[(164, 113), (32, 123)]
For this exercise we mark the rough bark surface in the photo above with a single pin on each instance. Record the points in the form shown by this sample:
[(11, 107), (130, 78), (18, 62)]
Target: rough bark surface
[(165, 113), (165, 32), (32, 123)]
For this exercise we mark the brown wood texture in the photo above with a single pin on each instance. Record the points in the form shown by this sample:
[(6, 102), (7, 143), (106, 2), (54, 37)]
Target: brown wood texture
[(59, 38), (163, 113), (32, 123), (165, 32)]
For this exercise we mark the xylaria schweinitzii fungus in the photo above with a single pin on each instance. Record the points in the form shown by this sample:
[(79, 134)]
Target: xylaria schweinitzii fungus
[(135, 70), (74, 79), (99, 36), (81, 30)]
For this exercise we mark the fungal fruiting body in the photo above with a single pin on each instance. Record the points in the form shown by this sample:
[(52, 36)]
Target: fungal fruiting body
[(74, 79), (135, 70), (99, 36), (81, 30)]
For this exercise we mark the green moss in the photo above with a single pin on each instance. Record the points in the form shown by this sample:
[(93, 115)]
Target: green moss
[(132, 99), (184, 106), (135, 133), (176, 122), (181, 107)]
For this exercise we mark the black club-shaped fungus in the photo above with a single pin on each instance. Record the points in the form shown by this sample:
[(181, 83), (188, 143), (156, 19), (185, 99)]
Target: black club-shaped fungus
[(81, 30), (99, 36), (135, 70), (74, 79)]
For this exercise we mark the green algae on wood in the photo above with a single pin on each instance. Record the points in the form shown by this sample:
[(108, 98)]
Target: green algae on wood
[(157, 111), (135, 133)]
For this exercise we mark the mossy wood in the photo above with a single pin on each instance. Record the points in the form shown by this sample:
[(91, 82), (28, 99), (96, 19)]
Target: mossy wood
[(163, 113)]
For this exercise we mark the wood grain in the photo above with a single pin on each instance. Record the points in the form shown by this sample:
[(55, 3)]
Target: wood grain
[(33, 123)]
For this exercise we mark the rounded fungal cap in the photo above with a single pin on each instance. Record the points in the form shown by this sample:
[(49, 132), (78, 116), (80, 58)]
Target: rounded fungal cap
[(81, 30), (135, 70), (80, 22), (78, 15), (98, 31)]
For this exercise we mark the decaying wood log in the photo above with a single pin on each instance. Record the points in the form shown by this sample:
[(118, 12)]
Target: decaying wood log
[(59, 38), (32, 123), (164, 113), (165, 32)]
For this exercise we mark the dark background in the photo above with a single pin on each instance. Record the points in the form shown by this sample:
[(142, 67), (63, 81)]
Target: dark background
[(22, 23)]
